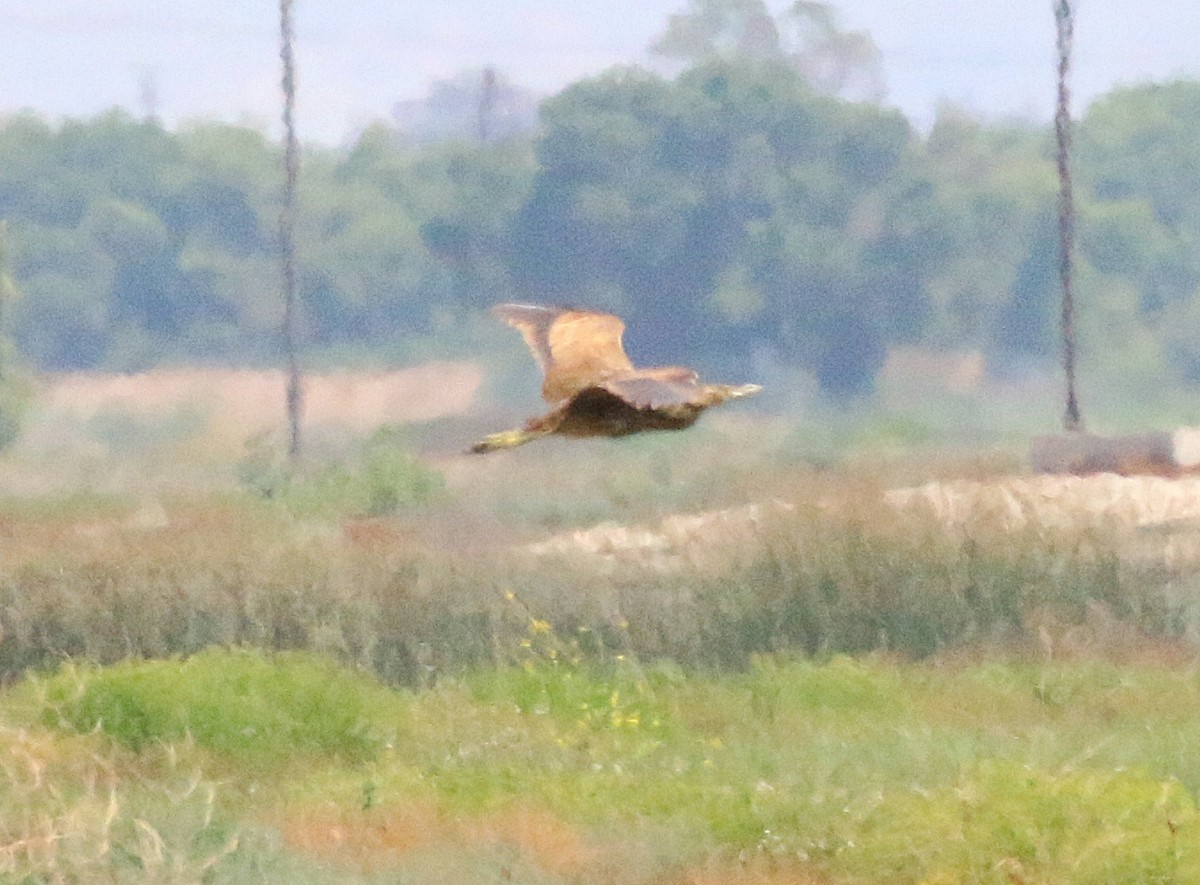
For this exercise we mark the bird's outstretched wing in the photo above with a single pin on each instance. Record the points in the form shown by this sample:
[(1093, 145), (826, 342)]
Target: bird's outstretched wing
[(657, 388), (575, 349)]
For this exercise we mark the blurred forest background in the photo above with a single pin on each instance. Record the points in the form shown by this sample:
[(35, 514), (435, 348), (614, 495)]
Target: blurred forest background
[(762, 205)]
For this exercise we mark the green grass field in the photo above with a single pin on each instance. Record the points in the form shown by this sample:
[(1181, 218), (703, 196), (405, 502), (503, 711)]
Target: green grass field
[(366, 673), (252, 766)]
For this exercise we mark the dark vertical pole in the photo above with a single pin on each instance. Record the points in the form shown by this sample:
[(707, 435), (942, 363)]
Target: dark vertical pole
[(148, 92), (1065, 20), (8, 291), (487, 103), (287, 231)]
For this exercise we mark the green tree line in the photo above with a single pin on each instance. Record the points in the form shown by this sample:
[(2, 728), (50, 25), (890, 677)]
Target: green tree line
[(733, 209)]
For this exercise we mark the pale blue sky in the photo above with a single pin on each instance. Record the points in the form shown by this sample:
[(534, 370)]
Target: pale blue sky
[(219, 58)]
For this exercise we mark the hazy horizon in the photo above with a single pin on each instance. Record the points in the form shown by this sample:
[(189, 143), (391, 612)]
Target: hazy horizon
[(222, 63)]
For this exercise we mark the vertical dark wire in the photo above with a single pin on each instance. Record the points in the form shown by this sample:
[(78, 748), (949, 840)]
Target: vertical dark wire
[(1065, 21), (487, 103), (287, 230)]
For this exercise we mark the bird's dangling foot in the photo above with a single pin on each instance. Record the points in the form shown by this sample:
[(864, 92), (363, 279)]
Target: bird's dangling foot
[(508, 439)]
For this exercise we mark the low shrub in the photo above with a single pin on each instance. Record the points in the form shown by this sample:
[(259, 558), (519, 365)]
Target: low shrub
[(262, 708), (382, 478)]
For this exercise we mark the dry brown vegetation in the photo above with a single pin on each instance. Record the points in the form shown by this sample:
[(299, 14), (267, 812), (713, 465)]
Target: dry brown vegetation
[(712, 546), (242, 402), (830, 561)]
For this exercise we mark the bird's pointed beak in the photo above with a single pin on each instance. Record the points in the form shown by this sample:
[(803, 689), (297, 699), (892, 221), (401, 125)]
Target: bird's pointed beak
[(744, 390)]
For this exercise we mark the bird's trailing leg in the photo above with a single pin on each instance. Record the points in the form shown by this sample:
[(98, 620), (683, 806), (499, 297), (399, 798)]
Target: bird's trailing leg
[(507, 439)]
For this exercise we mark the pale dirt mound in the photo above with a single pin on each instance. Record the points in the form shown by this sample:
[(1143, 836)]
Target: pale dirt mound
[(1162, 512), (1057, 502), (1151, 519), (678, 540), (243, 402)]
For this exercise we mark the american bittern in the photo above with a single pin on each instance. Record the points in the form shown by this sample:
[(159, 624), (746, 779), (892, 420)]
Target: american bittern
[(594, 388)]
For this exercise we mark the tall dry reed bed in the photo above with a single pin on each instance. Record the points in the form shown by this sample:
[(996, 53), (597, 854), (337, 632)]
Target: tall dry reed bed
[(840, 573)]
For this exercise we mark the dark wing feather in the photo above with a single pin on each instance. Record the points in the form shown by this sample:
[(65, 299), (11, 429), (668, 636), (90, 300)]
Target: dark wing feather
[(575, 349)]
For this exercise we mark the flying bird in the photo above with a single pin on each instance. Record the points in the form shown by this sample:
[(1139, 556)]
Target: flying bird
[(593, 387)]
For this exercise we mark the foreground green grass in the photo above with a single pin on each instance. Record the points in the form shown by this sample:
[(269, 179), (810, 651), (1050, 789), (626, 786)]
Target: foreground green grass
[(237, 765)]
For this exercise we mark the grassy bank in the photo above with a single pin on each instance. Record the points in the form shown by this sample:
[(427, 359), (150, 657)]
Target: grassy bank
[(792, 771)]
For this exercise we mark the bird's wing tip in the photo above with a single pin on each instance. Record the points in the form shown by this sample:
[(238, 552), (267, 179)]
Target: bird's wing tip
[(516, 314), (519, 307)]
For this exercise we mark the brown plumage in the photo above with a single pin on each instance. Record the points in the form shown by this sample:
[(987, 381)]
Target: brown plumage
[(594, 388)]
